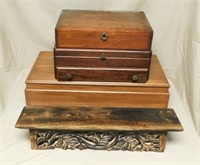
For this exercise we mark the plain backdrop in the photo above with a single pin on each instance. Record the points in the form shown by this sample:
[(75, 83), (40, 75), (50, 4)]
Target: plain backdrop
[(27, 27)]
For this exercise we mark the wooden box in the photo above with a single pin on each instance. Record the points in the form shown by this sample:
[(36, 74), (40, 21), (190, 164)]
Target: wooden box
[(42, 89), (102, 46), (103, 30)]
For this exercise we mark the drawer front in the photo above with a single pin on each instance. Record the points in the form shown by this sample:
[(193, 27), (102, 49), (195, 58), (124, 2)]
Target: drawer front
[(99, 52), (102, 62), (102, 75)]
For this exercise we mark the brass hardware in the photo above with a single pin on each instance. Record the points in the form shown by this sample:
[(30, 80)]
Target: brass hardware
[(103, 57), (69, 76), (104, 36), (135, 78)]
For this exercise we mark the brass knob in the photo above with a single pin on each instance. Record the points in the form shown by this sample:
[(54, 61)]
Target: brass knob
[(103, 57), (135, 78), (104, 36), (69, 76)]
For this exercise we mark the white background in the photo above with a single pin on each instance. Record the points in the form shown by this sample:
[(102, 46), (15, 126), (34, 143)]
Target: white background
[(27, 27)]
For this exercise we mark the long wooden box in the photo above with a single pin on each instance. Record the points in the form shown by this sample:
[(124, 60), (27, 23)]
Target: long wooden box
[(42, 89), (103, 30)]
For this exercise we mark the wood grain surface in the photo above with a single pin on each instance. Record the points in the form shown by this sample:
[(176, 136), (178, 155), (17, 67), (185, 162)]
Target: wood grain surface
[(102, 74), (98, 62), (99, 119), (83, 29), (98, 52), (42, 89), (43, 73), (98, 66)]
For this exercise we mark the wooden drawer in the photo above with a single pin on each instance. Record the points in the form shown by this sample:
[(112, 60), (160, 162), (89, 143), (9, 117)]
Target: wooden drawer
[(101, 65), (98, 52), (101, 58), (101, 62), (103, 30), (101, 74)]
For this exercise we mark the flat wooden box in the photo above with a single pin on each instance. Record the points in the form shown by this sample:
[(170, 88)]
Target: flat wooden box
[(42, 89)]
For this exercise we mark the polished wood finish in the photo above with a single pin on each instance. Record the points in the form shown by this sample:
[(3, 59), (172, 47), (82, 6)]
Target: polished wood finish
[(42, 89), (100, 33), (98, 52), (103, 61), (74, 118), (103, 30), (54, 97), (101, 74), (42, 72), (106, 66)]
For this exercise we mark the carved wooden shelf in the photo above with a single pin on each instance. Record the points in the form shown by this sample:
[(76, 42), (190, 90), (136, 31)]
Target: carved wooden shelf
[(107, 128)]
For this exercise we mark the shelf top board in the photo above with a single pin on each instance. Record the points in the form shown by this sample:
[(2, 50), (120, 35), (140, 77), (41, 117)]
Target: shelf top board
[(73, 118)]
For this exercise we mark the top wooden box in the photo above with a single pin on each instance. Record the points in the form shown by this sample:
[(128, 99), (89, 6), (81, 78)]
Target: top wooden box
[(103, 30)]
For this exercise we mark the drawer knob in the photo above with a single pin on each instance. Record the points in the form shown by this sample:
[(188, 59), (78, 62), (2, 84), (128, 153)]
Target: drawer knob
[(103, 57), (104, 36), (69, 76), (135, 78)]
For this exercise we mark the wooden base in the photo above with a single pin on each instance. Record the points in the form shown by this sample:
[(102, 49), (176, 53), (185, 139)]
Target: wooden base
[(131, 141), (105, 128), (42, 89)]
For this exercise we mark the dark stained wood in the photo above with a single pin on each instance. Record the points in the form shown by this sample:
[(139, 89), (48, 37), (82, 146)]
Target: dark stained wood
[(99, 119), (42, 89), (114, 65), (43, 73), (102, 74), (98, 52), (83, 29), (97, 62)]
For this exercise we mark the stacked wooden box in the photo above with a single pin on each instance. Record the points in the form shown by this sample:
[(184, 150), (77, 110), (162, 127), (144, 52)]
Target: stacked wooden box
[(100, 83), (43, 89), (103, 46)]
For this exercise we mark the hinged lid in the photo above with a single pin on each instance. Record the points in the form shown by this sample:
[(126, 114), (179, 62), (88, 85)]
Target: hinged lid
[(103, 29)]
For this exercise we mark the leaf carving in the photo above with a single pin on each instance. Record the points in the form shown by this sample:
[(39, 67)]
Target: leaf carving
[(135, 141)]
